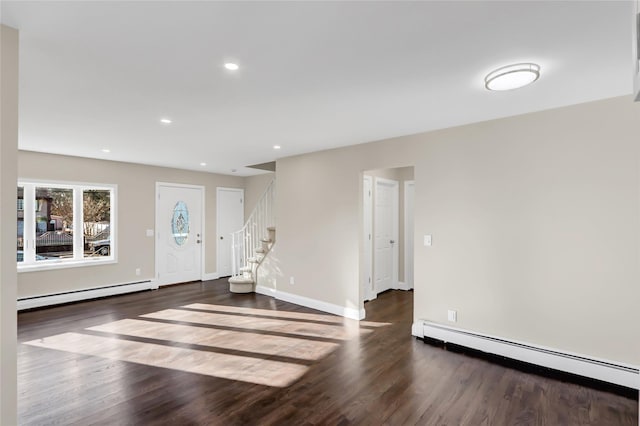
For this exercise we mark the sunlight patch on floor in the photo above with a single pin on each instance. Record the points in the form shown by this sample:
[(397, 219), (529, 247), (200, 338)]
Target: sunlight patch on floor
[(247, 369), (262, 344), (229, 342), (282, 314), (297, 328)]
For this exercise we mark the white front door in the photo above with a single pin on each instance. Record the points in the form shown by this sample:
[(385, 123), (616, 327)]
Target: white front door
[(230, 213), (179, 212), (385, 234)]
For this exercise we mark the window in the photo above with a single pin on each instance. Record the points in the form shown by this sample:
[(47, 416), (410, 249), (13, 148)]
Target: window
[(65, 224), (20, 215)]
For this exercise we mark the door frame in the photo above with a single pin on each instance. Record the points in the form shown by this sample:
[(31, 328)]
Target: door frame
[(201, 188), (395, 227), (218, 189), (408, 260), (367, 239)]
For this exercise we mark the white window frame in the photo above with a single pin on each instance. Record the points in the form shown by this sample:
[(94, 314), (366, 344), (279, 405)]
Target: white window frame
[(29, 262)]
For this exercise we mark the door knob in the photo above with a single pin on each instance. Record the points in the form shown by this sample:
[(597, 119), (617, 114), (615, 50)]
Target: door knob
[(392, 241), (222, 238), (197, 241)]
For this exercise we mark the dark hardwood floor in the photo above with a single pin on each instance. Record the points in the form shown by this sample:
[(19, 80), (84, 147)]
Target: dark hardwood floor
[(197, 354)]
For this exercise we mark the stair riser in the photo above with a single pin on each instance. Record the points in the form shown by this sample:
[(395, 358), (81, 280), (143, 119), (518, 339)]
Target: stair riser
[(248, 271), (241, 288)]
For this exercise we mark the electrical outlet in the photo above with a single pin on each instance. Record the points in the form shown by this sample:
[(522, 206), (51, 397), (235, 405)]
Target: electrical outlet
[(452, 315), (292, 281)]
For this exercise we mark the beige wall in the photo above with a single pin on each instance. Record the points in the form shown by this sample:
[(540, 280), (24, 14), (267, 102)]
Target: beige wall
[(401, 175), (254, 187), (535, 222), (8, 174), (136, 214)]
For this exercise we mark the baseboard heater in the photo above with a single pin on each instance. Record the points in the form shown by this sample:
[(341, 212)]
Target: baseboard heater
[(84, 294), (599, 369)]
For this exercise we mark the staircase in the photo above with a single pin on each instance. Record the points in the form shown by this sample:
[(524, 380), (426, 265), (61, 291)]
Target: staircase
[(251, 244)]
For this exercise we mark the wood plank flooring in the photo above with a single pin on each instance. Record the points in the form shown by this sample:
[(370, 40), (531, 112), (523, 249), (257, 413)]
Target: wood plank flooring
[(195, 354)]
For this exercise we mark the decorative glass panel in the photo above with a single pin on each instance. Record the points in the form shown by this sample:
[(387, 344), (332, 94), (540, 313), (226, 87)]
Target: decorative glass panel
[(180, 223)]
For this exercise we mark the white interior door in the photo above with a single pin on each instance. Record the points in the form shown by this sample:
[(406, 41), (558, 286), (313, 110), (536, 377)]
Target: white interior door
[(385, 229), (409, 193), (368, 292), (179, 212), (230, 214)]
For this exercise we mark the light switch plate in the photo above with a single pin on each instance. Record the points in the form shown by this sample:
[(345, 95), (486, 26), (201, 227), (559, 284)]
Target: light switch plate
[(427, 240), (452, 315), (149, 232)]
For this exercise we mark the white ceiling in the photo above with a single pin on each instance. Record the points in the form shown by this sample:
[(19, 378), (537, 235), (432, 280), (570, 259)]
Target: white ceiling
[(314, 75)]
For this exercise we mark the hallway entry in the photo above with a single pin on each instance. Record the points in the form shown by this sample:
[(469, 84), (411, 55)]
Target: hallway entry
[(387, 231)]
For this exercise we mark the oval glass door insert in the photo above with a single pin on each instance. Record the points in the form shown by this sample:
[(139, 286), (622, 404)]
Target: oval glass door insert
[(180, 223)]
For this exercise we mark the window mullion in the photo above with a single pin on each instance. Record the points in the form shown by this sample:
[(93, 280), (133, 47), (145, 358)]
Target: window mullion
[(29, 224), (78, 234)]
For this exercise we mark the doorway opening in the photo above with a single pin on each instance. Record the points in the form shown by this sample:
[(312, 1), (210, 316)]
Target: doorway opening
[(387, 231), (230, 218)]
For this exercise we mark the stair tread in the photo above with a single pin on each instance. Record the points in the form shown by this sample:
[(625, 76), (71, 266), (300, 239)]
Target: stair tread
[(241, 280)]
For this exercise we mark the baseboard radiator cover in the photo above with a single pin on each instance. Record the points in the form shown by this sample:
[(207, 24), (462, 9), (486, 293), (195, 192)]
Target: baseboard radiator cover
[(83, 294), (599, 369)]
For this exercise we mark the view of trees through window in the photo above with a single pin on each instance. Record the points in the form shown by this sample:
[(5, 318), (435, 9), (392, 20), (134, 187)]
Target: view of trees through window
[(96, 206), (57, 233), (54, 223)]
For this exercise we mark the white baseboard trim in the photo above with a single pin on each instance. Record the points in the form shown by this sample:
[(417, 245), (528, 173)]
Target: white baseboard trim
[(582, 365), (210, 276), (342, 311), (417, 329), (84, 294), (402, 286)]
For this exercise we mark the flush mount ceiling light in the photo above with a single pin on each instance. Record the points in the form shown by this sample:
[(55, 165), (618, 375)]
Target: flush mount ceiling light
[(165, 121), (203, 164), (512, 76), (277, 147), (106, 150), (231, 66)]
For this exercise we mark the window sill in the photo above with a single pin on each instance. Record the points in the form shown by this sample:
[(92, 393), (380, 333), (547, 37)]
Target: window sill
[(64, 264)]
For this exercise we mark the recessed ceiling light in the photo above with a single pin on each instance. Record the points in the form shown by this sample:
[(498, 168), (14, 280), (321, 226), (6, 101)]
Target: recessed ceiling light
[(277, 147), (106, 150), (165, 121), (512, 76), (203, 164), (231, 66)]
